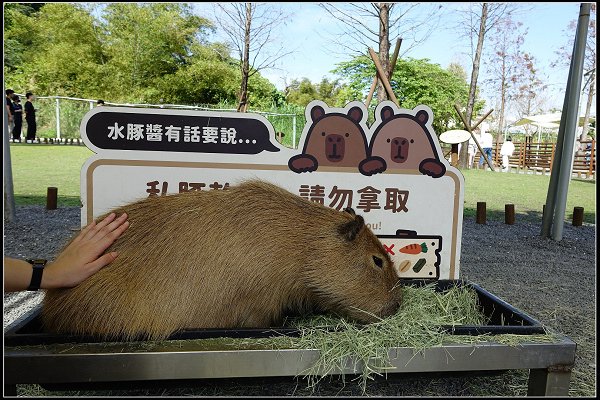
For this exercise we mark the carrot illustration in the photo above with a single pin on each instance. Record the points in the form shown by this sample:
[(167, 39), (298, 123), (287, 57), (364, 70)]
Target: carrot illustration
[(414, 248)]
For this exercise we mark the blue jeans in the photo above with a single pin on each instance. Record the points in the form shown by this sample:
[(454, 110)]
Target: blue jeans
[(487, 152)]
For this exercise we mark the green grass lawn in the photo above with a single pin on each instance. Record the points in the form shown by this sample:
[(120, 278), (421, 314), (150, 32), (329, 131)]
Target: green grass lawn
[(39, 166), (36, 167), (527, 192)]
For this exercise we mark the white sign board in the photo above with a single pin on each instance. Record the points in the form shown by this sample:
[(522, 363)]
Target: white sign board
[(391, 173)]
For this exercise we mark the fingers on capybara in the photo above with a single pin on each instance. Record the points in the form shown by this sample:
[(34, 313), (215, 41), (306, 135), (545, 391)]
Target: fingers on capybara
[(242, 257)]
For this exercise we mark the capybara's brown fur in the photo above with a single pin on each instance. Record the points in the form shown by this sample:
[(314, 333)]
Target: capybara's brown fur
[(242, 257)]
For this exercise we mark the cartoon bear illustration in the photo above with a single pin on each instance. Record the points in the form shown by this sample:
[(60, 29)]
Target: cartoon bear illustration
[(333, 139), (404, 142)]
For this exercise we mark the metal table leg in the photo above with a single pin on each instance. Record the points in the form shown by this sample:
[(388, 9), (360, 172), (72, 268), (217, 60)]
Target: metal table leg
[(553, 381)]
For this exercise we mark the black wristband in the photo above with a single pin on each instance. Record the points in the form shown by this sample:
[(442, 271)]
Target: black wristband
[(36, 274)]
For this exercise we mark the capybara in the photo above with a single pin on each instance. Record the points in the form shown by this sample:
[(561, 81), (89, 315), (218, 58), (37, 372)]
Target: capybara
[(237, 258), (403, 142), (333, 139)]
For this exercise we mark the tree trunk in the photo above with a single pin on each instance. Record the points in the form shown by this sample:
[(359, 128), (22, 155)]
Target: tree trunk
[(243, 103), (463, 156), (384, 47), (588, 107), (502, 102)]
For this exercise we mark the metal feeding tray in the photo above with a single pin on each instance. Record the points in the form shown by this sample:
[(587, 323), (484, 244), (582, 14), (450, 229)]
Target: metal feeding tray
[(53, 361)]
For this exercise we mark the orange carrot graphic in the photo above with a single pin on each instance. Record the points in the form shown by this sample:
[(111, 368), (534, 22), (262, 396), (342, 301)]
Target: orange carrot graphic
[(414, 248)]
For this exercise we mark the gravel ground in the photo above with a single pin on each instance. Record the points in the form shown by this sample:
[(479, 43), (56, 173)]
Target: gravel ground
[(553, 281)]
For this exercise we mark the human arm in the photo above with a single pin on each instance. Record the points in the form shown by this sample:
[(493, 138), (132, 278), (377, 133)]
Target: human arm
[(80, 259)]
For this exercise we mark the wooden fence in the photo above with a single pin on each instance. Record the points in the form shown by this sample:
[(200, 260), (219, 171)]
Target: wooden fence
[(538, 157)]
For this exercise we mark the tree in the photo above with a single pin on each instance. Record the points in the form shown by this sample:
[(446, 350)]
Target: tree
[(302, 92), (416, 82), (251, 28), (371, 24), (528, 96), (503, 66), (475, 22), (57, 49), (564, 55), (146, 41)]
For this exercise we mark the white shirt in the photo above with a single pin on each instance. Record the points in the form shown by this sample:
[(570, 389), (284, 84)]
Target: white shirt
[(486, 140), (507, 148)]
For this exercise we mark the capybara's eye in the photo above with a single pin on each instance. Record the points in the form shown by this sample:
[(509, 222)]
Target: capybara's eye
[(378, 261), (412, 140), (347, 134), (322, 133)]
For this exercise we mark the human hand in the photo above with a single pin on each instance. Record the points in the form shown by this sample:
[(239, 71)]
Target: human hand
[(83, 256)]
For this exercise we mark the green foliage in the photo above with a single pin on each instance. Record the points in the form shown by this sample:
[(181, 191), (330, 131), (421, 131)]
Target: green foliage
[(302, 92), (414, 82), (123, 52)]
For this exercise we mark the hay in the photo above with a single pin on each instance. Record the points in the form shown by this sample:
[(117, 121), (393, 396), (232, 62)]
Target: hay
[(419, 324)]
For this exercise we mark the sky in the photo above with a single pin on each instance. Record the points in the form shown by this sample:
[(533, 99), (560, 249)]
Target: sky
[(310, 32)]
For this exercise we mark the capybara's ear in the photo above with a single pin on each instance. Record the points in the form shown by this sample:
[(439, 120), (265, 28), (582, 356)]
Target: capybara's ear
[(387, 112), (422, 117), (349, 210), (351, 229), (355, 114), (316, 113)]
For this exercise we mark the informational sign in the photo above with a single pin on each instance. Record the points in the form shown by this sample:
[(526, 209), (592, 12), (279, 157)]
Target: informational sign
[(392, 172)]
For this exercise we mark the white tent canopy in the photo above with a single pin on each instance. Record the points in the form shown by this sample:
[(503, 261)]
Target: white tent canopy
[(547, 121)]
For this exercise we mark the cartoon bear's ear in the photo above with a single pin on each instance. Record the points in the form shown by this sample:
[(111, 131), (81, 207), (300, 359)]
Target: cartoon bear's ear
[(422, 117), (316, 113), (386, 113), (355, 114)]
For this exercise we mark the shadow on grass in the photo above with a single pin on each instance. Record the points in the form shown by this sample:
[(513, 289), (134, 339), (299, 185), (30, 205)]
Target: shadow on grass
[(592, 181), (64, 201)]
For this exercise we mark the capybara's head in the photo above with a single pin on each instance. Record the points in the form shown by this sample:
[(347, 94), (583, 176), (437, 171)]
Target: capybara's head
[(336, 139), (351, 274), (402, 140)]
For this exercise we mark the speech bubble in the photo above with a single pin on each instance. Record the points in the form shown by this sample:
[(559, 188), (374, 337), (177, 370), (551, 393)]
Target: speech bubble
[(116, 128)]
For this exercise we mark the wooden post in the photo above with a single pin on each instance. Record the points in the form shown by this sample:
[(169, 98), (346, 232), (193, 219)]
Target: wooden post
[(470, 128), (509, 214), (454, 155), (480, 219), (391, 72), (592, 158), (52, 198), (577, 216), (383, 77)]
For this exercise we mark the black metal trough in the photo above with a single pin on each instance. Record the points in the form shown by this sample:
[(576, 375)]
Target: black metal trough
[(34, 356)]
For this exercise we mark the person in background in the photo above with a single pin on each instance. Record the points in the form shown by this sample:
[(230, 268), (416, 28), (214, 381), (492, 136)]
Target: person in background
[(30, 118), (79, 260), (486, 143), (17, 118), (472, 150), (507, 150), (9, 108)]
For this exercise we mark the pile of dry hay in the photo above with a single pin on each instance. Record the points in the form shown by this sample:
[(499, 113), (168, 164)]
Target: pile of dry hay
[(419, 324)]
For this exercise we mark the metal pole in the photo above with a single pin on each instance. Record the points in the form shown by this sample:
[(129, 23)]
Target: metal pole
[(571, 114), (57, 118), (9, 197), (548, 213)]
